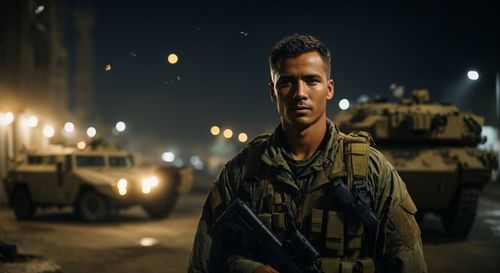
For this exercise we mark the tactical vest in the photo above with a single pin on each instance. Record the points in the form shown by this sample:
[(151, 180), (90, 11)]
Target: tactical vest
[(339, 236)]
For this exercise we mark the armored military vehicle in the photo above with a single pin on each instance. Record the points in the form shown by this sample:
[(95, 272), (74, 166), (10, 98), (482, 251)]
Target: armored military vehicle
[(434, 148), (97, 181)]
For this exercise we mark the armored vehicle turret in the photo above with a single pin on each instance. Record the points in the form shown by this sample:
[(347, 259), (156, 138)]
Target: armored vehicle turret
[(433, 146)]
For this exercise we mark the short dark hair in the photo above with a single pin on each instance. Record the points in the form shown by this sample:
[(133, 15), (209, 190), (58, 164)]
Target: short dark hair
[(293, 46)]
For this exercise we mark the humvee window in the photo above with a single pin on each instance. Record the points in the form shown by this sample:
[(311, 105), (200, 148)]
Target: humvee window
[(34, 160), (37, 160), (89, 161), (119, 161)]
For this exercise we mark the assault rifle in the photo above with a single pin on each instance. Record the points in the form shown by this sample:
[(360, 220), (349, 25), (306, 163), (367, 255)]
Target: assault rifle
[(356, 201), (294, 255)]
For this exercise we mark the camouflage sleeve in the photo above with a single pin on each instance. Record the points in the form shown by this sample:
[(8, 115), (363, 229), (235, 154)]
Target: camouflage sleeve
[(401, 249), (208, 253)]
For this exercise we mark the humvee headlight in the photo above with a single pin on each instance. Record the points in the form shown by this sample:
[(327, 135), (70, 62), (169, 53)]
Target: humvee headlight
[(154, 181), (122, 186), (148, 184)]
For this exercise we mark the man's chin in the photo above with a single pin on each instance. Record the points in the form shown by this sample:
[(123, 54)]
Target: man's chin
[(300, 122)]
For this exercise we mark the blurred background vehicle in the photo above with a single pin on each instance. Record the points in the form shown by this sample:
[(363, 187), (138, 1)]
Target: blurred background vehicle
[(433, 146)]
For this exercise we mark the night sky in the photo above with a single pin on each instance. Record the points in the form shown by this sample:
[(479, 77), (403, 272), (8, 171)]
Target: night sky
[(222, 74)]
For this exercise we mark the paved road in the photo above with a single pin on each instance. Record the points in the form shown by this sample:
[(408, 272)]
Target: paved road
[(133, 243)]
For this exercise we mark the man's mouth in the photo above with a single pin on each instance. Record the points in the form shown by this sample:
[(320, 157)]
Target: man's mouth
[(300, 108)]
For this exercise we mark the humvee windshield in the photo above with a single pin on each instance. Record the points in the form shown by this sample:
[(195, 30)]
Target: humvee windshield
[(89, 161), (120, 161), (37, 160)]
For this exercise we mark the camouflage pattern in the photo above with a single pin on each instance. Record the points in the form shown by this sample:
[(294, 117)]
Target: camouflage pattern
[(402, 247)]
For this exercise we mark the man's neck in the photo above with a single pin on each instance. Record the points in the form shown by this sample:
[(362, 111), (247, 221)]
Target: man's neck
[(302, 143)]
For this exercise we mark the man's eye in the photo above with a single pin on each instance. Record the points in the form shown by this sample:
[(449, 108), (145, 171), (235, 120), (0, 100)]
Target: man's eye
[(312, 81), (284, 83)]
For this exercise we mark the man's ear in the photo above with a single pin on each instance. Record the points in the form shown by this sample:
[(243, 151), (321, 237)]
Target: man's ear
[(272, 93), (331, 90)]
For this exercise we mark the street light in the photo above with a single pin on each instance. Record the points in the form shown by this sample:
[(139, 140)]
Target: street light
[(81, 145), (32, 121), (69, 127), (228, 133), (242, 137), (172, 58), (6, 119), (473, 75), (344, 104), (91, 132), (215, 130), (168, 156), (48, 131), (120, 126)]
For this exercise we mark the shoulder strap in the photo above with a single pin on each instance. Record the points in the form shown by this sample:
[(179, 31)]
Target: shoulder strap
[(255, 175), (356, 156), (356, 151), (255, 150)]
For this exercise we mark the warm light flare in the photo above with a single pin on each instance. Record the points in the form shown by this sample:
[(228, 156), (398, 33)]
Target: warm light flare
[(48, 131), (81, 145), (172, 58), (242, 137), (6, 119), (215, 130), (228, 133), (148, 184), (69, 127), (122, 186), (32, 121)]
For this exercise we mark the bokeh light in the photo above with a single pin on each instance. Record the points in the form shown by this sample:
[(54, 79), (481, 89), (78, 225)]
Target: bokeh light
[(81, 145), (172, 58), (228, 133), (69, 127), (344, 104), (473, 75), (32, 121), (91, 132), (120, 126), (48, 131), (215, 130), (242, 137), (168, 156)]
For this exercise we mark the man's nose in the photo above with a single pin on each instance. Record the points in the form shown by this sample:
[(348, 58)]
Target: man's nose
[(300, 90)]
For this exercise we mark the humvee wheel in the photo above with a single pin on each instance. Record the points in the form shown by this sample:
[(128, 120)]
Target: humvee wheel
[(458, 219), (22, 204), (92, 206), (161, 208)]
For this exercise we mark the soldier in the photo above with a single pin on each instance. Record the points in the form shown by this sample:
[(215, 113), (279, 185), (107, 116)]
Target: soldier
[(296, 165)]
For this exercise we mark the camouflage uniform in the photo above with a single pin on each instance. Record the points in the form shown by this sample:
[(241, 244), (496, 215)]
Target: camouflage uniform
[(401, 247)]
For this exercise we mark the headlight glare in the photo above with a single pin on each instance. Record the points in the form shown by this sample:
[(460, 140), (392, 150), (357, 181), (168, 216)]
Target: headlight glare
[(122, 186), (148, 184)]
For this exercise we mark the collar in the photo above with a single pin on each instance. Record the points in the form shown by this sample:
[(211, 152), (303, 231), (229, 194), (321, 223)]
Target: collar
[(275, 147)]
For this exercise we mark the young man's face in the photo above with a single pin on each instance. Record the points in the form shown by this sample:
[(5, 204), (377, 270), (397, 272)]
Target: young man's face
[(300, 90)]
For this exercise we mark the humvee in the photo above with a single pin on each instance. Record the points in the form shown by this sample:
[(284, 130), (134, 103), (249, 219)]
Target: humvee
[(95, 181)]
